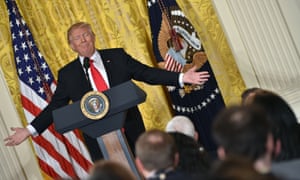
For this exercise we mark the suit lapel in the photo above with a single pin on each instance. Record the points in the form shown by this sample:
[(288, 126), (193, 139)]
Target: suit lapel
[(107, 62)]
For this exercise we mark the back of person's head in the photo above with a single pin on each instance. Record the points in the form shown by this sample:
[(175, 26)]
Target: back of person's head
[(248, 92), (236, 168), (242, 131), (183, 125), (156, 150), (191, 159), (110, 170), (285, 126)]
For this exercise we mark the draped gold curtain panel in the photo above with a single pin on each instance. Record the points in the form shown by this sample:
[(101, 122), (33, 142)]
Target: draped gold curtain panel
[(117, 23)]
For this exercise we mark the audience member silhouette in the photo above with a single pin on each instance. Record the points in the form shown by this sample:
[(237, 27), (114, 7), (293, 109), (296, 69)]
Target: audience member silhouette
[(157, 156), (285, 130), (193, 159), (248, 92), (183, 125), (236, 168), (244, 131), (110, 170)]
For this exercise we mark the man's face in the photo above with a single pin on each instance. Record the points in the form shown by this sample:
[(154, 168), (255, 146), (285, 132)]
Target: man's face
[(82, 41)]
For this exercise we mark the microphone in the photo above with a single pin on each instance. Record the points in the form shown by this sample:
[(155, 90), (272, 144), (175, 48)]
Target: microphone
[(86, 65)]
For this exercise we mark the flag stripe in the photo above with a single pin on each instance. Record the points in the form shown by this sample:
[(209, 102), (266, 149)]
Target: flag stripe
[(79, 170), (71, 149), (27, 104), (65, 165), (84, 163), (32, 96), (171, 64), (50, 171), (45, 157)]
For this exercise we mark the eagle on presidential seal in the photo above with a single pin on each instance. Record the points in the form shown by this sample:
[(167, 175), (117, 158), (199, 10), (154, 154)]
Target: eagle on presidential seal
[(179, 44)]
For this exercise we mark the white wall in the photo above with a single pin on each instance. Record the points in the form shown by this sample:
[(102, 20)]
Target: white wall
[(265, 41), (291, 13)]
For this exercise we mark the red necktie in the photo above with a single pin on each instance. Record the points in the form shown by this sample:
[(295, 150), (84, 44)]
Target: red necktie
[(99, 81), (97, 77)]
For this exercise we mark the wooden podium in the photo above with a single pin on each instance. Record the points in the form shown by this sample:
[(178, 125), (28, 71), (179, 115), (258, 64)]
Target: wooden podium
[(106, 130)]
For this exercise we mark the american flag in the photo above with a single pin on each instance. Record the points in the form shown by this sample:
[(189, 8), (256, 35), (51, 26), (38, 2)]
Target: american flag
[(59, 156)]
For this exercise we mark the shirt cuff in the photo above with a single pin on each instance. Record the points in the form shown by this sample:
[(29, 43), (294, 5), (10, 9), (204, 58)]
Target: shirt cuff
[(181, 83), (32, 130)]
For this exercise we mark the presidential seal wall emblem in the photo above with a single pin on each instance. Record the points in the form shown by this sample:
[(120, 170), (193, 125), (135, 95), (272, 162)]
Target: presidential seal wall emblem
[(94, 105)]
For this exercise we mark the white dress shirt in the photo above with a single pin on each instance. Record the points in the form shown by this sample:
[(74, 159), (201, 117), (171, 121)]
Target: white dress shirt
[(99, 66)]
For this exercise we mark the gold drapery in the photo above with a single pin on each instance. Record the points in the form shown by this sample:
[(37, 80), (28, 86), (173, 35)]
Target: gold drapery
[(203, 17), (117, 23)]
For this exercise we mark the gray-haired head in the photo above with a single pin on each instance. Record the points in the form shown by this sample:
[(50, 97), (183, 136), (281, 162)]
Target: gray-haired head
[(182, 124)]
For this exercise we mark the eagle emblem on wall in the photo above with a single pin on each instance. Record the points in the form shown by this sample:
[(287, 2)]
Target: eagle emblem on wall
[(179, 44)]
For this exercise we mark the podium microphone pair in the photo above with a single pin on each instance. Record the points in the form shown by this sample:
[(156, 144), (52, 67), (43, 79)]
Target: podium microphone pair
[(86, 65)]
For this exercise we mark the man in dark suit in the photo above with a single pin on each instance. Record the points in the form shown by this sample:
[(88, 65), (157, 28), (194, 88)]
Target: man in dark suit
[(116, 67), (157, 156)]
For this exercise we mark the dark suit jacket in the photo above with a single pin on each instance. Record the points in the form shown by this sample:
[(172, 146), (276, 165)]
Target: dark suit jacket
[(120, 67)]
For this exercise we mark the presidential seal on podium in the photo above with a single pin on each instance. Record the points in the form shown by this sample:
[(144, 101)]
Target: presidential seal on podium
[(94, 105)]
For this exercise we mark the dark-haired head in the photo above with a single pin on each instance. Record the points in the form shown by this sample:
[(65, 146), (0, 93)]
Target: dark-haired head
[(283, 120), (248, 92), (242, 131), (191, 159)]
